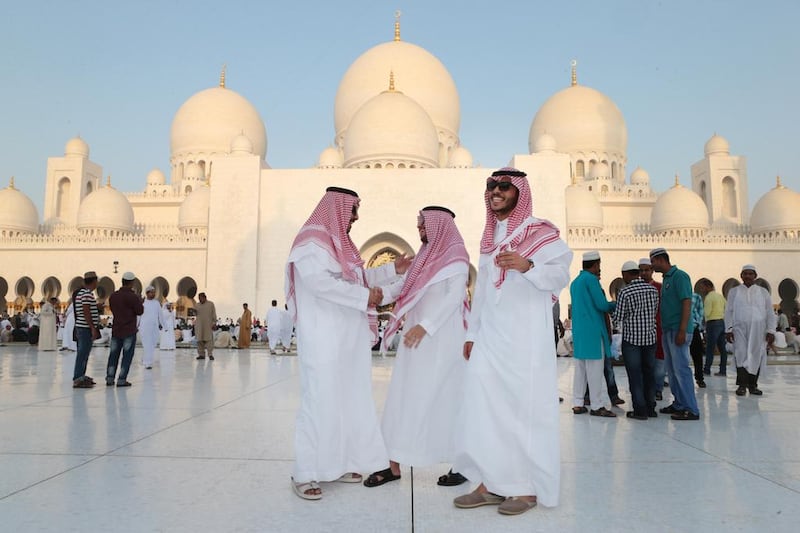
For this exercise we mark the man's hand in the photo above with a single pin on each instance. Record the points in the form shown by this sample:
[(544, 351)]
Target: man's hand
[(729, 336), (680, 338), (467, 349), (401, 263), (512, 261), (375, 296), (414, 336), (770, 338)]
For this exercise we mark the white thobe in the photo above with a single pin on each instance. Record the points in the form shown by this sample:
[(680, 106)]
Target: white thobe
[(749, 315), (47, 328), (337, 427), (287, 325), (274, 327), (167, 341), (148, 330), (425, 392), (507, 435), (69, 326)]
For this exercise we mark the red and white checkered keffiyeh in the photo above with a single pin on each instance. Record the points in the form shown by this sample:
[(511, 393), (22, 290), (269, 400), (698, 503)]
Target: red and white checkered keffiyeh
[(445, 247), (327, 228), (534, 236)]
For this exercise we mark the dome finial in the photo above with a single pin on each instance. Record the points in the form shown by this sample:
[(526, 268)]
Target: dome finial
[(778, 184), (397, 15), (222, 76), (574, 65), (677, 180), (108, 181), (11, 183), (391, 81)]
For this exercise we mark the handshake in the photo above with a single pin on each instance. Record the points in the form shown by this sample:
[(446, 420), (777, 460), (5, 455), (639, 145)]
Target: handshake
[(375, 296)]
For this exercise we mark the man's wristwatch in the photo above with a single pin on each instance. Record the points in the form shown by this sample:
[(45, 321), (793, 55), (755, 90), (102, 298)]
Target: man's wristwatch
[(530, 261)]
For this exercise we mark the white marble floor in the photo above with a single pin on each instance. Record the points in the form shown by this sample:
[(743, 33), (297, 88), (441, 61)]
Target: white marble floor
[(207, 446)]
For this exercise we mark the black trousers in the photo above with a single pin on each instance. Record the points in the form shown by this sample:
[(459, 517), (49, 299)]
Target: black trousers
[(697, 348), (745, 378)]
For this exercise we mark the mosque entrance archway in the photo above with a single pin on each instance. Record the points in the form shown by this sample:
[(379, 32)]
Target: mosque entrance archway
[(728, 285), (24, 287), (74, 285), (136, 286), (105, 288), (761, 282), (614, 288), (162, 288), (187, 290), (51, 288), (3, 294)]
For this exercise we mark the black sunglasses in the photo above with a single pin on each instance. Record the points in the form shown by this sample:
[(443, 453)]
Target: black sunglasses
[(502, 185)]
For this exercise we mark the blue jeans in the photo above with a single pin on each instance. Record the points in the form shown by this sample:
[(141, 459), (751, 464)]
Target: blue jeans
[(681, 380), (659, 370), (611, 379), (640, 363), (715, 337), (82, 354), (127, 346)]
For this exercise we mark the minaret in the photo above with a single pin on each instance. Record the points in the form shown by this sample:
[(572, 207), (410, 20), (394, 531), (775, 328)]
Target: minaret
[(397, 15)]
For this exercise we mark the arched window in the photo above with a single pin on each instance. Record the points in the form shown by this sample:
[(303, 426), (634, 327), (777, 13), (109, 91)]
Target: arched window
[(729, 208), (63, 200), (580, 170)]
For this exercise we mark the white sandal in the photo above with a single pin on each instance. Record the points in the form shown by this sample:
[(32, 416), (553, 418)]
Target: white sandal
[(351, 477), (301, 488)]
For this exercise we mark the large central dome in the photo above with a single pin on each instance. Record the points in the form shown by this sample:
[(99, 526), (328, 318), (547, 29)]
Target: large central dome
[(423, 77), (581, 120)]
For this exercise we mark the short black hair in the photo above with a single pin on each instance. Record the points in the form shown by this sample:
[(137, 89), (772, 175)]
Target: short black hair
[(590, 263)]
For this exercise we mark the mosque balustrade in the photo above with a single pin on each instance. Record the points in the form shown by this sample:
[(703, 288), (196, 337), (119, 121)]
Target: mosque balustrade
[(59, 235)]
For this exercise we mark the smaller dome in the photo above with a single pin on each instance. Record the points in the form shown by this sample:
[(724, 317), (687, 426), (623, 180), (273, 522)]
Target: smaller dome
[(544, 143), (76, 147), (599, 171), (640, 177), (156, 177), (460, 158), (17, 212), (717, 144), (583, 208), (194, 172), (105, 208), (678, 208), (391, 126), (193, 212), (241, 145), (330, 158), (777, 210)]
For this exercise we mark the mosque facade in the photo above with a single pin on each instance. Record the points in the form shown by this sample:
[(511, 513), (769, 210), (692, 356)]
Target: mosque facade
[(224, 220)]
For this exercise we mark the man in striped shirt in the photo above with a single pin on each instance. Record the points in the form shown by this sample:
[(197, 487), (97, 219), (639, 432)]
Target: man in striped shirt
[(87, 319), (635, 317)]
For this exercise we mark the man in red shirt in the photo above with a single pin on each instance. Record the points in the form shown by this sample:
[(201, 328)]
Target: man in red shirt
[(125, 306)]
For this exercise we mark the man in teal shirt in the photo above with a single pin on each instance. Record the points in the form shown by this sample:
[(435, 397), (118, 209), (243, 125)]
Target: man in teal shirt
[(590, 337), (677, 328)]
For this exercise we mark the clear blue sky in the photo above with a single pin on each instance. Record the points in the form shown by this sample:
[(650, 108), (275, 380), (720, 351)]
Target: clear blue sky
[(116, 73)]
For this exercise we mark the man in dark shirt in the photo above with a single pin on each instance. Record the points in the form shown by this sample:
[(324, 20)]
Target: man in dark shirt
[(125, 306)]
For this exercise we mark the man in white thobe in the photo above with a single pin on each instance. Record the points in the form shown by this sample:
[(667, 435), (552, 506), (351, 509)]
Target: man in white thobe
[(750, 325), (425, 391), (330, 294), (150, 326), (273, 320), (287, 326), (167, 340), (47, 326), (507, 436), (67, 340)]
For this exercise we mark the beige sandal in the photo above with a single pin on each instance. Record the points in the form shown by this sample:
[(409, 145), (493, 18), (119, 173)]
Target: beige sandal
[(351, 477), (514, 505), (302, 488)]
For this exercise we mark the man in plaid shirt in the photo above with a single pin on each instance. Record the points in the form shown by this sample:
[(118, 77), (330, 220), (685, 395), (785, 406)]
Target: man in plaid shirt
[(635, 317)]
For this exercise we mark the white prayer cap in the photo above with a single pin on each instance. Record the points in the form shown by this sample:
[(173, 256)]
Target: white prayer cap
[(629, 266), (657, 251), (749, 267), (129, 276), (150, 288), (593, 255), (645, 261)]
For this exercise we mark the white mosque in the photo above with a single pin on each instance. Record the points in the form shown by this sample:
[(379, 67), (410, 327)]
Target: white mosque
[(224, 221)]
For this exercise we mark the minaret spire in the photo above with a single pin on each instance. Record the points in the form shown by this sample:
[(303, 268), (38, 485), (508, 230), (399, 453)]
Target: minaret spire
[(574, 65), (397, 15), (222, 76), (391, 81)]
